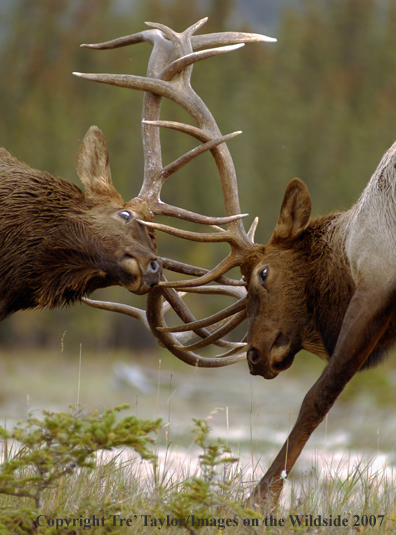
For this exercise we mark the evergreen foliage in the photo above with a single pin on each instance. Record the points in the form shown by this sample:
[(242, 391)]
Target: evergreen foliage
[(55, 481), (318, 104), (48, 455), (61, 443)]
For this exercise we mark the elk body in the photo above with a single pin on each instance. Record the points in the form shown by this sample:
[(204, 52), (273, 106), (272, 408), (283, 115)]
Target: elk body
[(327, 285), (58, 244)]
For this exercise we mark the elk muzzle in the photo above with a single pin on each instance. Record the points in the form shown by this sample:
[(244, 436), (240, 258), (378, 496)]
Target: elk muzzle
[(270, 363), (141, 269)]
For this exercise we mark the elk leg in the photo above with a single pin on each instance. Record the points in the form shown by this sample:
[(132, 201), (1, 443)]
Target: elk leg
[(365, 321)]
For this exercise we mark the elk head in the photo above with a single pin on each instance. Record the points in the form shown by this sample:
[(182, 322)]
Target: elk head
[(276, 277), (58, 244), (299, 287), (116, 223)]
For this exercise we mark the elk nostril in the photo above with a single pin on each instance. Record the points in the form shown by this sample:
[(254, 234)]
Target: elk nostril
[(253, 356), (154, 267)]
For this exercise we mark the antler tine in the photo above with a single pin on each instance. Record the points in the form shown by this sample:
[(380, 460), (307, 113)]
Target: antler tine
[(210, 320), (141, 37), (238, 292), (187, 269), (215, 336), (233, 351), (214, 237), (253, 227), (187, 215), (155, 319), (181, 64), (122, 309), (232, 260), (169, 75)]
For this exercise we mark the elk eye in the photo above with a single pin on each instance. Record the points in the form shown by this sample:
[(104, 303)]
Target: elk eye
[(125, 214), (263, 275)]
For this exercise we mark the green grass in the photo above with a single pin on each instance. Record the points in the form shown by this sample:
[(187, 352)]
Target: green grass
[(119, 485), (70, 468)]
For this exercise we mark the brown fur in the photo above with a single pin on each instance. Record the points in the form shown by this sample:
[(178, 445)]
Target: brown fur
[(58, 244), (313, 289), (325, 285), (316, 287)]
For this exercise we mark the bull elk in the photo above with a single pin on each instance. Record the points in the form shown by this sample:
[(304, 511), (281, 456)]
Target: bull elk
[(324, 284), (327, 285), (58, 244)]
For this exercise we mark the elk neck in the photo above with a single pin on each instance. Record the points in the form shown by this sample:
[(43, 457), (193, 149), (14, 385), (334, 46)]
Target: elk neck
[(43, 234), (329, 284), (332, 279)]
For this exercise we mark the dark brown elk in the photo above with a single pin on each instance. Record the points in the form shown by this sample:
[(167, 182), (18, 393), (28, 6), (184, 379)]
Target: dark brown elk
[(326, 285), (58, 244)]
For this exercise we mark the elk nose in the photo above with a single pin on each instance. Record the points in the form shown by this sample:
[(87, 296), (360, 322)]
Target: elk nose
[(152, 273), (254, 361), (154, 267), (258, 365)]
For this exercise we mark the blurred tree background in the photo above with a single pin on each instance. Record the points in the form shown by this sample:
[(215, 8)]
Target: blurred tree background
[(319, 104)]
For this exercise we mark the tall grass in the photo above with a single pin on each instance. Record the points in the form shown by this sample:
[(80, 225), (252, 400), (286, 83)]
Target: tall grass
[(90, 482)]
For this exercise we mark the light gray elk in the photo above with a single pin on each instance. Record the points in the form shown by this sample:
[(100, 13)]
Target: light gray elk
[(325, 284)]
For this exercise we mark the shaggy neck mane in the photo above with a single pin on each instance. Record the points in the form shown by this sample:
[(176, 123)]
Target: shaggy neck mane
[(329, 287)]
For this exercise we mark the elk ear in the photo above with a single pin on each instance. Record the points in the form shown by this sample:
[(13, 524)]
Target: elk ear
[(295, 211), (92, 162)]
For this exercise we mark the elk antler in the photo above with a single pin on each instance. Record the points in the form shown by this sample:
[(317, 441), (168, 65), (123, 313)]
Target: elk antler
[(169, 75)]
